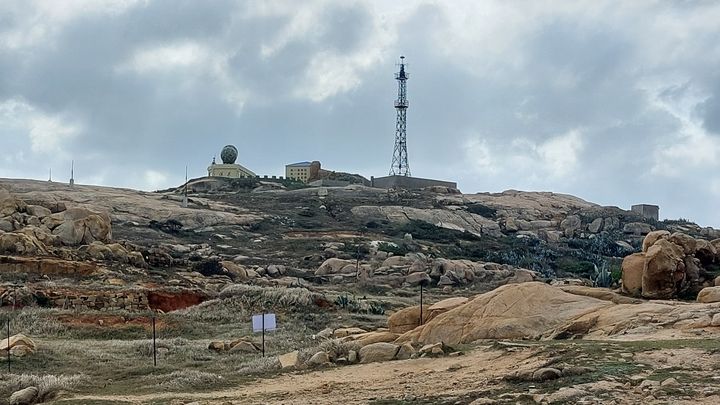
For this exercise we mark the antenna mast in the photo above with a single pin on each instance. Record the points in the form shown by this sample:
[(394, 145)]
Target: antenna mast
[(72, 173), (400, 166)]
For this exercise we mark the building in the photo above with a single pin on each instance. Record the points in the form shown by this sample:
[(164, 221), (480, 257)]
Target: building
[(228, 167), (647, 210), (303, 171)]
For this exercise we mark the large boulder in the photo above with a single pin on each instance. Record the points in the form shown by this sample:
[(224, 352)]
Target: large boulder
[(686, 242), (18, 341), (709, 294), (653, 237), (513, 311), (25, 396), (333, 266), (80, 226), (378, 352), (664, 270), (633, 267), (368, 338)]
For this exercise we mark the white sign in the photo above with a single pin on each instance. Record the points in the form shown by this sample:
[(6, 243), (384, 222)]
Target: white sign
[(257, 322)]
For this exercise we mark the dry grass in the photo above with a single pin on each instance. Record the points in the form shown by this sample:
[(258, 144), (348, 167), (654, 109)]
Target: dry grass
[(48, 385), (183, 380)]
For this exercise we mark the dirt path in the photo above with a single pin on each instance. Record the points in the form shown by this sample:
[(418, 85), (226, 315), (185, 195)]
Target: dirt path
[(419, 378)]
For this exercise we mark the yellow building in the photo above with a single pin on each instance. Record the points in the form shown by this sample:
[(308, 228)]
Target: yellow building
[(303, 171), (229, 168)]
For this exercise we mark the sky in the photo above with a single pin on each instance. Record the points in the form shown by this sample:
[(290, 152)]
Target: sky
[(616, 102)]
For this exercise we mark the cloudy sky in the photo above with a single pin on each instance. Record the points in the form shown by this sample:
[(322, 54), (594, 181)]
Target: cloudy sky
[(617, 102)]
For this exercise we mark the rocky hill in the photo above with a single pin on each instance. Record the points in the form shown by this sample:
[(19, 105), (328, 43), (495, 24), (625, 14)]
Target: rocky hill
[(85, 269)]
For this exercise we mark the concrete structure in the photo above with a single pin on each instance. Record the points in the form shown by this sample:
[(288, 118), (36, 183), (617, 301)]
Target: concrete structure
[(647, 210), (408, 182), (303, 171), (229, 168)]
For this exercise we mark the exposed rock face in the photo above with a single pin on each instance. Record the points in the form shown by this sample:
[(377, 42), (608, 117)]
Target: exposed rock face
[(46, 266), (19, 341), (670, 265), (457, 220)]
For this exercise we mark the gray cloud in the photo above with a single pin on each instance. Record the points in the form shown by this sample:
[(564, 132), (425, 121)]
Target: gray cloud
[(617, 105)]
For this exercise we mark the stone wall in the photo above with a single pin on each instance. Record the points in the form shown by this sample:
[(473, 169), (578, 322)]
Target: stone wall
[(99, 300), (408, 182)]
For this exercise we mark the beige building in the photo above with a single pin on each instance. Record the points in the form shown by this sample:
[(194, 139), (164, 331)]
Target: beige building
[(228, 168), (303, 171)]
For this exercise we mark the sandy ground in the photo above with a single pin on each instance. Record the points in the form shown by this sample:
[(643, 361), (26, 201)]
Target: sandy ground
[(363, 383)]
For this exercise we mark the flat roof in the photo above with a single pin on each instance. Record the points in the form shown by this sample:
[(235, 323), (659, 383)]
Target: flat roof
[(299, 164)]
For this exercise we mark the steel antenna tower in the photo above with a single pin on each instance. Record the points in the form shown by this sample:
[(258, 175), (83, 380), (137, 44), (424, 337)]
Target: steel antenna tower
[(400, 166)]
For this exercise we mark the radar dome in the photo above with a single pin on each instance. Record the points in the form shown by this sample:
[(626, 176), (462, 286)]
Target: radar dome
[(229, 154)]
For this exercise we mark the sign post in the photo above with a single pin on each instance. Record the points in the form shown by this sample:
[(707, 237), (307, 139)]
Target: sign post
[(261, 323), (154, 344)]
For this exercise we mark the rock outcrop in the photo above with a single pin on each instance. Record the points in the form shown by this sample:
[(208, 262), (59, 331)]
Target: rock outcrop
[(669, 266)]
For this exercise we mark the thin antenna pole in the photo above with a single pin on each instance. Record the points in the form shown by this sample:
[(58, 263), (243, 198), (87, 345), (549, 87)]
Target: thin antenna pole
[(72, 173), (185, 196)]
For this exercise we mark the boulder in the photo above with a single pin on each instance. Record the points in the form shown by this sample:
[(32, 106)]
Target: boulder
[(709, 294), (6, 226), (237, 270), (378, 352), (407, 319), (318, 359), (289, 360), (405, 352), (664, 270), (21, 244), (417, 278), (596, 225), (77, 226), (546, 373), (432, 348), (243, 346), (686, 242), (17, 341), (513, 311), (632, 273), (37, 211), (637, 228), (570, 225), (332, 266), (653, 237), (25, 396)]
